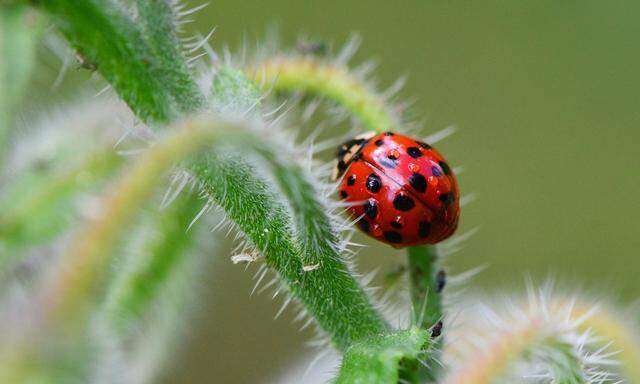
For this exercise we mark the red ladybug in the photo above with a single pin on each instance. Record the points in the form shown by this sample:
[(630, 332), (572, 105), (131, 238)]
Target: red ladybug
[(403, 190)]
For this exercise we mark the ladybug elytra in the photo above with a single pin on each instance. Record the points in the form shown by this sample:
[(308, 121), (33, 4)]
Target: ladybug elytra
[(403, 191)]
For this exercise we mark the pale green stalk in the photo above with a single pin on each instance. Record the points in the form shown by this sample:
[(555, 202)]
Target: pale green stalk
[(19, 31), (330, 80)]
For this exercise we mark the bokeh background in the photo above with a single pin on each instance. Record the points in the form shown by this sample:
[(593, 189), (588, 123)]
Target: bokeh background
[(545, 98)]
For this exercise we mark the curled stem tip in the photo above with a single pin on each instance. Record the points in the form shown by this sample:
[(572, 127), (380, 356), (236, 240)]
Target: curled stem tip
[(326, 79)]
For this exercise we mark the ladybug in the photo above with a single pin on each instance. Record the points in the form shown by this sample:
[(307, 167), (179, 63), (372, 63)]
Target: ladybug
[(403, 191)]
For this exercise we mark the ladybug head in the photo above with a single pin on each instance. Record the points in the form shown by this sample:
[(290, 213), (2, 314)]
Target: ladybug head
[(348, 151)]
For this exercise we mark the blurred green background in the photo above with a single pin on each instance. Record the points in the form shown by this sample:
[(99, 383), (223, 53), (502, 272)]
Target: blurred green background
[(545, 96)]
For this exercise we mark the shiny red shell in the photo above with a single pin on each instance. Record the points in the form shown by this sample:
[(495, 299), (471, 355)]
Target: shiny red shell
[(402, 189)]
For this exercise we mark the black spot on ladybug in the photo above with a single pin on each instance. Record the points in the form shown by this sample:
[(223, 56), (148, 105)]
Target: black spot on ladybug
[(418, 182), (351, 180), (436, 330), (352, 143), (447, 198), (393, 237), (393, 155), (364, 225), (423, 144), (388, 133), (343, 194), (379, 142), (445, 167), (436, 171), (403, 202), (388, 163), (414, 152), (395, 225), (371, 208), (441, 280), (373, 183), (424, 227)]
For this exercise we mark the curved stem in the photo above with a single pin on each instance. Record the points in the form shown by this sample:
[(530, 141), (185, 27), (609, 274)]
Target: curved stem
[(510, 346), (77, 276), (610, 327), (165, 244), (326, 79), (342, 309), (317, 278), (109, 40)]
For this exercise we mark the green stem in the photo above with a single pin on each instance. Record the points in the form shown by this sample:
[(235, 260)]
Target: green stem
[(381, 359), (327, 290), (426, 282), (134, 74), (79, 272), (534, 336), (425, 285), (326, 79), (330, 294), (165, 244), (346, 318), (158, 23), (107, 37)]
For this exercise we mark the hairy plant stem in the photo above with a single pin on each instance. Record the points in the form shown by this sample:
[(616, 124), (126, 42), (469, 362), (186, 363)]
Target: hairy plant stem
[(381, 359), (342, 309), (533, 337), (151, 98), (133, 59), (319, 245), (326, 79), (610, 326), (158, 23)]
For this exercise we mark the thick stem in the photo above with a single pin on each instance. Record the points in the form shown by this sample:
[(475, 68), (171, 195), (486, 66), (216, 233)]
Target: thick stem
[(330, 293), (382, 358), (317, 278), (158, 23), (346, 318), (109, 40)]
